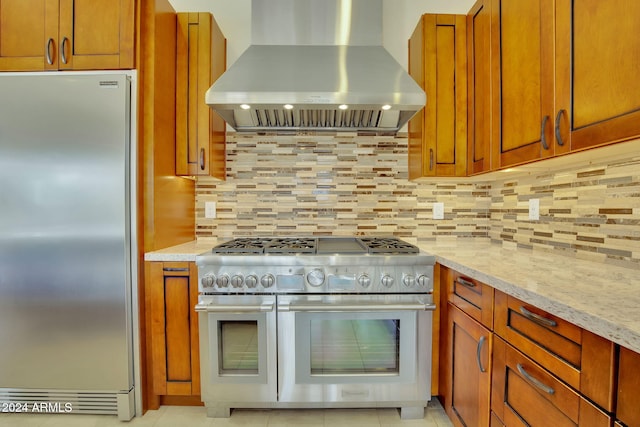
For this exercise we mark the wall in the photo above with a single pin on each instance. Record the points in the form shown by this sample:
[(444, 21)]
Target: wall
[(346, 185), (342, 185), (590, 211)]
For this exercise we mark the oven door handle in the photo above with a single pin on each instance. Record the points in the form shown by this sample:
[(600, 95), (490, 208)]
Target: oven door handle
[(319, 307), (235, 308)]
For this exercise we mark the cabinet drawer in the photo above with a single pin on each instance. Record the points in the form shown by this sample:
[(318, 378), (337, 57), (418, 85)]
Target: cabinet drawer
[(583, 360), (525, 394), (471, 296)]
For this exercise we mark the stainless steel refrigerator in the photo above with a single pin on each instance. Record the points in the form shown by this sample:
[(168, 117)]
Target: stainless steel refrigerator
[(67, 255)]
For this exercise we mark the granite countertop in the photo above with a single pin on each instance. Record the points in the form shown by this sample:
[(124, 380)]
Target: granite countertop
[(601, 298)]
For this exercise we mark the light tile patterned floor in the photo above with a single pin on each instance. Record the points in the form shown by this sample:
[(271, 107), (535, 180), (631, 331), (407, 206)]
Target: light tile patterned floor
[(185, 416)]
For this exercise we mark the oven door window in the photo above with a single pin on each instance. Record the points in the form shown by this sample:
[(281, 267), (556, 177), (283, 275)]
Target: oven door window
[(355, 347), (238, 347)]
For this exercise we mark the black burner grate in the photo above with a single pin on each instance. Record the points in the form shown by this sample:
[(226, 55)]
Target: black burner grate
[(242, 246), (388, 245), (291, 245), (310, 245)]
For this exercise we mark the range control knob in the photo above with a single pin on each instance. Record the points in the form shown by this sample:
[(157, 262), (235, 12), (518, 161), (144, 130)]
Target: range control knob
[(409, 280), (251, 281), (208, 281), (222, 281), (387, 281), (267, 280), (315, 277), (364, 280), (423, 280), (236, 281)]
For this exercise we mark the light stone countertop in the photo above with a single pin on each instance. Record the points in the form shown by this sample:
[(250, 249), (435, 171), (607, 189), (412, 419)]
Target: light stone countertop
[(601, 298)]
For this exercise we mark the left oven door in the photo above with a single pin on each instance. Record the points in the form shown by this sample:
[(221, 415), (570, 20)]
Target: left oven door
[(237, 349)]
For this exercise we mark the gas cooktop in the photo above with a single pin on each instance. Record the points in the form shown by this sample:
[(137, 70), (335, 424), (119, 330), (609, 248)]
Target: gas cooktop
[(316, 246)]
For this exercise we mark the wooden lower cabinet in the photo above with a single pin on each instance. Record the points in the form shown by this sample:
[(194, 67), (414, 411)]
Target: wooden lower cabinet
[(468, 367), (628, 407), (173, 358), (525, 394), (576, 356)]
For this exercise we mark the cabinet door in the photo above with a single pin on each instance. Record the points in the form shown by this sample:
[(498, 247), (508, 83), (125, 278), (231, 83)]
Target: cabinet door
[(479, 83), (522, 79), (524, 394), (96, 34), (468, 370), (200, 133), (628, 387), (172, 294), (438, 134), (28, 35), (598, 58)]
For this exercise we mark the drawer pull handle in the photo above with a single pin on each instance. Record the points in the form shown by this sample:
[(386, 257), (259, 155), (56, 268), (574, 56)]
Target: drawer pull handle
[(465, 282), (478, 351), (537, 318), (534, 381), (175, 269)]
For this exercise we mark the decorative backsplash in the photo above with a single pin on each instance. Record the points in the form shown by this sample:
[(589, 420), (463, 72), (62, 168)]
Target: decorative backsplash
[(338, 185), (592, 212), (357, 185)]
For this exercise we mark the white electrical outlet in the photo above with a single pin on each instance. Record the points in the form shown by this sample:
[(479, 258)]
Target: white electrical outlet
[(534, 209), (438, 210), (209, 209)]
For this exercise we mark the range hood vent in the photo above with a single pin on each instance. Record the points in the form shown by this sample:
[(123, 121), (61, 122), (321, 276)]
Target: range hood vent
[(320, 66)]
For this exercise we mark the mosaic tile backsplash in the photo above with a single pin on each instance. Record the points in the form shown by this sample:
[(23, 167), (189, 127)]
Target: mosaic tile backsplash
[(357, 185)]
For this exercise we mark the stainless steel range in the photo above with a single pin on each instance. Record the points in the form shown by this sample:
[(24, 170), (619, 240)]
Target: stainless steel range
[(315, 322)]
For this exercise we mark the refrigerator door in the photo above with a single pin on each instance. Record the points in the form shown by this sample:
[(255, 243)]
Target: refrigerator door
[(65, 309)]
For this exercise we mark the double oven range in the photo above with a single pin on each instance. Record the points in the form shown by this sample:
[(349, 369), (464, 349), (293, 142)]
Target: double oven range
[(315, 322)]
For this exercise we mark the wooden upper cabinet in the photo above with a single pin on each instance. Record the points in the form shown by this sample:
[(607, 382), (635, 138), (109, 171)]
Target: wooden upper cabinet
[(564, 77), (27, 29), (38, 35), (200, 133), (522, 81), (438, 63), (479, 83), (597, 63)]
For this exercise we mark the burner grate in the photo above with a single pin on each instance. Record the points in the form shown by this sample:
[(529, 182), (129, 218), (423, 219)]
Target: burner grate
[(291, 245), (241, 246), (388, 245)]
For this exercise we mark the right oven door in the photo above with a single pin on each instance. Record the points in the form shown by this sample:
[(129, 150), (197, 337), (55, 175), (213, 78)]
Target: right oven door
[(354, 348)]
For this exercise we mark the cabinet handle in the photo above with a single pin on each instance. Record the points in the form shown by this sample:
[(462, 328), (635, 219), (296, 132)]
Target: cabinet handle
[(465, 282), (49, 58), (558, 136), (537, 318), (430, 159), (175, 269), (479, 351), (534, 381), (543, 138), (63, 47), (202, 159)]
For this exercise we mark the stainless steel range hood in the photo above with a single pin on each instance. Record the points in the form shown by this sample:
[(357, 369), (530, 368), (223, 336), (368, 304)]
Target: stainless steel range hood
[(316, 65)]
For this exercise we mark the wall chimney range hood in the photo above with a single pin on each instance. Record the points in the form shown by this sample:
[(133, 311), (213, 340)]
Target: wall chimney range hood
[(316, 65)]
